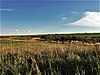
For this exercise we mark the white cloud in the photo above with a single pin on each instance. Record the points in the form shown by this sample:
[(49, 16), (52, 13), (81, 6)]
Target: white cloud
[(16, 30), (6, 9), (28, 31), (91, 19), (74, 12), (13, 31), (63, 18)]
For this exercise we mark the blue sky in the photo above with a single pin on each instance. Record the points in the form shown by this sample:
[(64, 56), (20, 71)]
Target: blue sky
[(49, 16)]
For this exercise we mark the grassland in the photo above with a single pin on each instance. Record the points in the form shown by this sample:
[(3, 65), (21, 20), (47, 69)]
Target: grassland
[(28, 55)]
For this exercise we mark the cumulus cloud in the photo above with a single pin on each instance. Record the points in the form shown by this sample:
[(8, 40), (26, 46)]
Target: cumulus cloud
[(6, 9), (91, 19)]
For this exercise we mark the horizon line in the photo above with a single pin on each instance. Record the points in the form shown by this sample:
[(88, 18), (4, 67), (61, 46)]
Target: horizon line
[(46, 33)]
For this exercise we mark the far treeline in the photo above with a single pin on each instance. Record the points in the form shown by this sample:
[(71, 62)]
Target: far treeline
[(84, 37)]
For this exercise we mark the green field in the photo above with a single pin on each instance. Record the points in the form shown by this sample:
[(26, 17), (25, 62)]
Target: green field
[(53, 54)]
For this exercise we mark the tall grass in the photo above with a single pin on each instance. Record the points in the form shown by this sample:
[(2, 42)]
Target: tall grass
[(41, 58)]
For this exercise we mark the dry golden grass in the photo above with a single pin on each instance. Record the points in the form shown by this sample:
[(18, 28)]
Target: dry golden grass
[(37, 46), (34, 57)]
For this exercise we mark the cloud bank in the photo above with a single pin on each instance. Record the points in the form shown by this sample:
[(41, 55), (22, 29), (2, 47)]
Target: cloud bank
[(91, 19)]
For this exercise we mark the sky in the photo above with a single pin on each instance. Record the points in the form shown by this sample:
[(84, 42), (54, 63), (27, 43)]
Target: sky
[(49, 16)]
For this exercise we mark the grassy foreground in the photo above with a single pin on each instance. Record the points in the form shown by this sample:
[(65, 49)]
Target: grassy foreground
[(32, 57)]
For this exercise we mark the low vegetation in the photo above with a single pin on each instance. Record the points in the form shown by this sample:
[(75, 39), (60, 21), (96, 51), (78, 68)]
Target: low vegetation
[(90, 38)]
